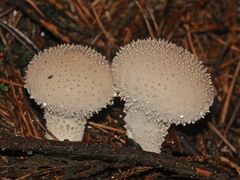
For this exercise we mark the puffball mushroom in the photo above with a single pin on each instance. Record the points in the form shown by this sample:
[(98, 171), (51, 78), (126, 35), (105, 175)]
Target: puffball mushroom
[(71, 82), (161, 84)]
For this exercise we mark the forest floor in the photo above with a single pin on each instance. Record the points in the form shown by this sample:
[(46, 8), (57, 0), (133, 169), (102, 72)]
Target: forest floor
[(210, 148)]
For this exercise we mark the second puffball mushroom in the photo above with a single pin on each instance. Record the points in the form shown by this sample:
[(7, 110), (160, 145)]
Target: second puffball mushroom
[(161, 84), (70, 82)]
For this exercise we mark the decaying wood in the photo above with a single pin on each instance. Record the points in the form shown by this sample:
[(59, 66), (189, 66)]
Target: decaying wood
[(187, 166)]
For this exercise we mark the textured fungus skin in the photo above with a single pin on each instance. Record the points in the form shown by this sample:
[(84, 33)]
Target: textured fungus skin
[(69, 81), (162, 81), (71, 128), (148, 134)]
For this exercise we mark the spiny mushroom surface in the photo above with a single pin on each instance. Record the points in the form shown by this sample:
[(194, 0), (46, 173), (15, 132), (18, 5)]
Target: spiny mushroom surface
[(149, 135), (71, 128), (165, 82), (71, 82)]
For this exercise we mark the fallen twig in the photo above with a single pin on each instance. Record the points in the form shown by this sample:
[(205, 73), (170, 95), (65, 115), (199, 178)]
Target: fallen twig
[(76, 150), (24, 40), (229, 94)]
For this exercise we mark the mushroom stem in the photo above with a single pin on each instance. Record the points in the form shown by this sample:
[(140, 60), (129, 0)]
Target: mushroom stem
[(71, 128), (149, 134)]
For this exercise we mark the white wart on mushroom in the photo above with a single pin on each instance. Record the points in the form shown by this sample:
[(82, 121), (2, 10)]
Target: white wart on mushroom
[(71, 82), (161, 84)]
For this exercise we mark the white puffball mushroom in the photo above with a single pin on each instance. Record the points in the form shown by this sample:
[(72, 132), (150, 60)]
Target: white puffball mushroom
[(71, 82), (161, 84)]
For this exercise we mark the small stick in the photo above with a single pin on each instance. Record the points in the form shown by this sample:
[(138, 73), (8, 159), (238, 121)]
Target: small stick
[(85, 9), (18, 129), (150, 11), (2, 112), (218, 133), (31, 121), (25, 121), (5, 81), (82, 14), (95, 39), (234, 115), (164, 15), (200, 46), (231, 164), (203, 172), (100, 24), (198, 28), (54, 30), (229, 94), (7, 11), (24, 40), (145, 19), (107, 127), (221, 56), (222, 42), (189, 39), (103, 130), (228, 63), (34, 6), (61, 7), (41, 171), (51, 134), (33, 116)]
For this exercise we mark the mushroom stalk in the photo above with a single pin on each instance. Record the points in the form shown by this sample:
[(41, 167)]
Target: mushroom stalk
[(71, 128), (149, 134)]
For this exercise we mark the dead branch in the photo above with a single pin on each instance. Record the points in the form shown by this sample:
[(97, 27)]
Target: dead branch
[(187, 166)]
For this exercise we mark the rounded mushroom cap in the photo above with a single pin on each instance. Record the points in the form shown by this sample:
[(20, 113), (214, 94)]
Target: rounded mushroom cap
[(70, 80), (167, 82)]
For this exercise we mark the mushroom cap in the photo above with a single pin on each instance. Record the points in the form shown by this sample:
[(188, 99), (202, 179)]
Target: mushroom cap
[(165, 81), (70, 80)]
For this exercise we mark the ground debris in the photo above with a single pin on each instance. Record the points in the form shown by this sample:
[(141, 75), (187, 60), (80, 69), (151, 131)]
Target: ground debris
[(209, 148)]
